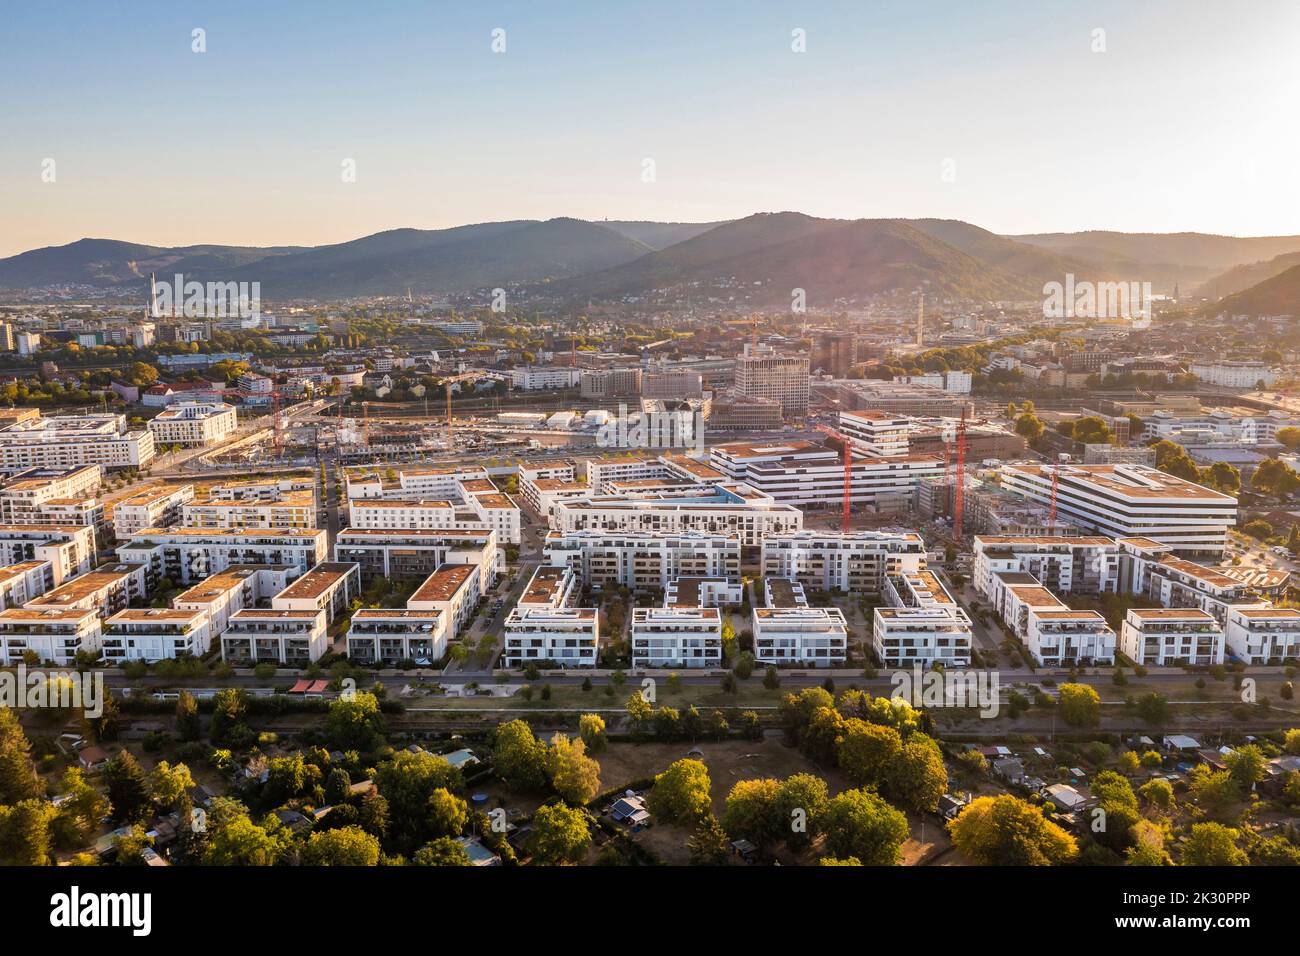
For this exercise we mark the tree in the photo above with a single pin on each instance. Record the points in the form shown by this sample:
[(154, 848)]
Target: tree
[(560, 835), (1258, 528), (681, 793), (25, 833), (591, 727), (406, 783), (1291, 742), (709, 844), (447, 813), (820, 740), (1212, 844), (861, 824), (354, 722), (771, 678), (168, 784), (1215, 792), (917, 777), (1158, 793), (444, 851), (1148, 845), (1129, 763), (128, 790), (519, 757), (229, 707), (18, 779), (1007, 831), (1289, 436), (801, 804), (751, 811), (129, 847), (1080, 705), (235, 840), (638, 708), (574, 775), (187, 717), (83, 806), (346, 846), (1116, 799), (1092, 430), (338, 787), (1153, 708), (1030, 427), (1247, 765), (867, 750)]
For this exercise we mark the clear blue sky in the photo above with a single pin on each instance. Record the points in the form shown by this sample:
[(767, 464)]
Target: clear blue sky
[(1186, 122)]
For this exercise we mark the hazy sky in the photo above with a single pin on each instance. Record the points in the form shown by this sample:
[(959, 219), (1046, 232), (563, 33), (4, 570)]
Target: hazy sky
[(1187, 121)]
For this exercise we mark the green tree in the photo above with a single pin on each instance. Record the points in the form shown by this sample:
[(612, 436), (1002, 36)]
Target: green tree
[(187, 717), (867, 750), (560, 835), (229, 708), (709, 844), (1080, 705), (917, 777), (1212, 844), (1158, 793), (346, 846), (406, 782), (444, 851), (128, 790), (18, 779), (447, 813), (1007, 831), (25, 833), (859, 823), (752, 813), (167, 784), (574, 775), (801, 804), (591, 727), (519, 757), (681, 793), (1147, 846), (354, 722), (235, 840)]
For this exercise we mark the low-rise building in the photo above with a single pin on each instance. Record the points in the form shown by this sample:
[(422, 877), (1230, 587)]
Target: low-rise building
[(153, 634), (646, 560), (392, 635), (545, 627), (921, 623), (256, 636), (155, 507), (453, 589), (1160, 636), (232, 590), (52, 634), (188, 555), (194, 424), (788, 631), (1263, 635), (328, 587)]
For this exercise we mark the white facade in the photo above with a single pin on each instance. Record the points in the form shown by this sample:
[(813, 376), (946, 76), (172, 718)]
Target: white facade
[(1131, 501), (644, 561), (155, 507), (1235, 374), (392, 635), (257, 636), (922, 624), (154, 634), (68, 441), (545, 626), (535, 378), (856, 562), (1084, 564), (1264, 635), (52, 634), (1163, 636), (194, 423), (188, 555), (788, 631)]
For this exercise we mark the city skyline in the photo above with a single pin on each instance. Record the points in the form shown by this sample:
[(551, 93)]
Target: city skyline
[(888, 112)]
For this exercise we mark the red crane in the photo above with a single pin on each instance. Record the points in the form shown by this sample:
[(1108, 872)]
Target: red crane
[(1051, 511), (958, 492), (848, 472)]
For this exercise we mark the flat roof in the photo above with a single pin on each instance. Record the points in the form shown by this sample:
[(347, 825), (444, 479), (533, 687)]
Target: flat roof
[(1268, 612), (212, 587), (323, 577), (544, 586), (1171, 613), (85, 585), (398, 503), (443, 584), (1131, 481), (1199, 571), (154, 614)]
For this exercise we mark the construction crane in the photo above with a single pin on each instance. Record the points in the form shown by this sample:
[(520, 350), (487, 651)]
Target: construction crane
[(958, 497), (848, 472)]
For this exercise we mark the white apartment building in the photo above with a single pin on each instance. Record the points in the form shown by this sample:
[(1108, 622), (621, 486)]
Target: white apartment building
[(414, 555), (536, 378), (545, 627), (1124, 501), (1087, 564), (879, 434), (328, 587), (1264, 635), (454, 590), (601, 473), (155, 507), (66, 441), (397, 514), (25, 498), (788, 631), (1235, 374), (856, 562), (687, 630), (644, 561), (154, 634), (24, 582), (107, 589), (1063, 637), (492, 507), (731, 509), (69, 550), (411, 482), (292, 510), (734, 459), (52, 634), (391, 635), (1152, 571), (1160, 636), (233, 589), (922, 624), (194, 424), (188, 555), (294, 638), (763, 373)]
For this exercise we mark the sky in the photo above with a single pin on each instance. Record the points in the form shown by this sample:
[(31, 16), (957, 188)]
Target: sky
[(1017, 116)]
